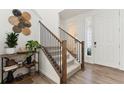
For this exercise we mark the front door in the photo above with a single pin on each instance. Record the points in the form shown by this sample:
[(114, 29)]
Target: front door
[(106, 39)]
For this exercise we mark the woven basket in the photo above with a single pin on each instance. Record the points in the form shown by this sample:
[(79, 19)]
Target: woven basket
[(13, 20), (16, 29), (26, 31), (26, 16)]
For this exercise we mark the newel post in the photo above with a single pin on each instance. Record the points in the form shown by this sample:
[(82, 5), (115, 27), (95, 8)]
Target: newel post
[(82, 55), (64, 63)]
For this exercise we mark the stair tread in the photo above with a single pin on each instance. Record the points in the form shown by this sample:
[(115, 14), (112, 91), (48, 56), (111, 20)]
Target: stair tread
[(69, 60), (55, 56)]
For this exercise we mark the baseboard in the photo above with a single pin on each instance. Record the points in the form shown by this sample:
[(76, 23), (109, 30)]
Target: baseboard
[(121, 68), (117, 68), (47, 78)]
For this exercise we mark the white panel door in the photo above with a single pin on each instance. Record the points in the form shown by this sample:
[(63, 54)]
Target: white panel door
[(106, 28)]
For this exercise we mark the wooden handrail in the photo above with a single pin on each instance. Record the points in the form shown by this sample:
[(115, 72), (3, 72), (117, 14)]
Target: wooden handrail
[(69, 34), (50, 32)]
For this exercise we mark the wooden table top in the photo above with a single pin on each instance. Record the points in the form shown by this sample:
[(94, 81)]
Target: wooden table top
[(17, 54)]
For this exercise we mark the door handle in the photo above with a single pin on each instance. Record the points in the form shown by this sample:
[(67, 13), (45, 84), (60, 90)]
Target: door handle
[(95, 44)]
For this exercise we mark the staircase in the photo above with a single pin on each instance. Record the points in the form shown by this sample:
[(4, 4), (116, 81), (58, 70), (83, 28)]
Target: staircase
[(65, 57)]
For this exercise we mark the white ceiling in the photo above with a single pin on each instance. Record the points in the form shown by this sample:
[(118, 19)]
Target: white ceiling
[(68, 13)]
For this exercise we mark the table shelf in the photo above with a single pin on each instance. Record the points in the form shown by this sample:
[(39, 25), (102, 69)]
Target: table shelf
[(9, 68), (17, 66)]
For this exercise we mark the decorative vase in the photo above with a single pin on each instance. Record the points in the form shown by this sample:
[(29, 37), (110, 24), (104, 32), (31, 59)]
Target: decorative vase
[(10, 50), (29, 59)]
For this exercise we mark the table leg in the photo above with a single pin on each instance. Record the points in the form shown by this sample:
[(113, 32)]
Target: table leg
[(38, 61), (2, 71)]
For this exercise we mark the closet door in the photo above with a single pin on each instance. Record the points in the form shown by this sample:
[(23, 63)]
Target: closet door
[(106, 28)]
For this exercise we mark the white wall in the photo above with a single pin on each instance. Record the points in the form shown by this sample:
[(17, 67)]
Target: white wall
[(50, 18), (122, 39), (47, 69), (4, 27), (78, 21)]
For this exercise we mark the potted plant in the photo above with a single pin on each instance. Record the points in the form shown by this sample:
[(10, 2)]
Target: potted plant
[(11, 42), (31, 46)]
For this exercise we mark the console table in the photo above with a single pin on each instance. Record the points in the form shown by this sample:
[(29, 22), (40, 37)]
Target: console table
[(18, 57)]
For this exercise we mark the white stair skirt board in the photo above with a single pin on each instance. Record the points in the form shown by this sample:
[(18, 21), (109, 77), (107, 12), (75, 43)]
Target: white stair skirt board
[(47, 69)]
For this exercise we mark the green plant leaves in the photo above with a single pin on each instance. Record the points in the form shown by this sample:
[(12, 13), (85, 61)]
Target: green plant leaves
[(32, 45), (12, 39)]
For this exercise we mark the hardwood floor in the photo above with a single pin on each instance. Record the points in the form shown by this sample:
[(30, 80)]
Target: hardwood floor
[(96, 74), (93, 74), (36, 79)]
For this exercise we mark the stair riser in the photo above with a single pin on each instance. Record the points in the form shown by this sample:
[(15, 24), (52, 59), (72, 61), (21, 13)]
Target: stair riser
[(57, 58), (70, 63), (55, 53), (73, 72)]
